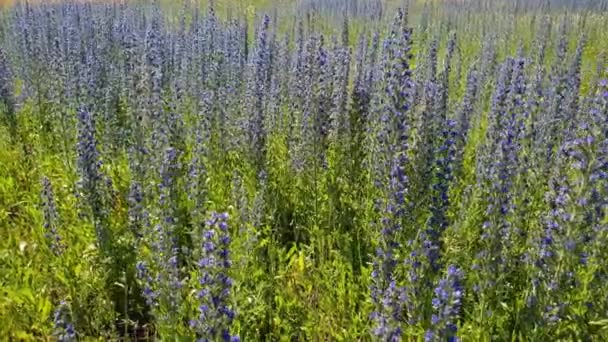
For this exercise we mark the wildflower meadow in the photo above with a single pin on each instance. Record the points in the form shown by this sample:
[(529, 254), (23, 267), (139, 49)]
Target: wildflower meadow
[(304, 170)]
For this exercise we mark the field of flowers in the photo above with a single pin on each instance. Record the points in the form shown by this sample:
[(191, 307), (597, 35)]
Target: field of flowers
[(329, 171)]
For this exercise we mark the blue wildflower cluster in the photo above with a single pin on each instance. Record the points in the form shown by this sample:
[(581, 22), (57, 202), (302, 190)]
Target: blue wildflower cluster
[(64, 330), (6, 93), (447, 303), (92, 179), (51, 217), (215, 310)]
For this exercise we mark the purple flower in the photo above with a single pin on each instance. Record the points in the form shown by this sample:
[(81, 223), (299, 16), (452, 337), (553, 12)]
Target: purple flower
[(259, 87), (143, 274), (447, 303), (467, 109), (387, 296), (215, 312), (51, 218), (93, 183), (136, 209), (6, 93), (64, 329)]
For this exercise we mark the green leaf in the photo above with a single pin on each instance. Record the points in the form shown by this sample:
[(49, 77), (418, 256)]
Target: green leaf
[(44, 308), (27, 294), (601, 322), (23, 336)]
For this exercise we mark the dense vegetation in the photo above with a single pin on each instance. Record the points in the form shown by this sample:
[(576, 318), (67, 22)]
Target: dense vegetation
[(352, 171)]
